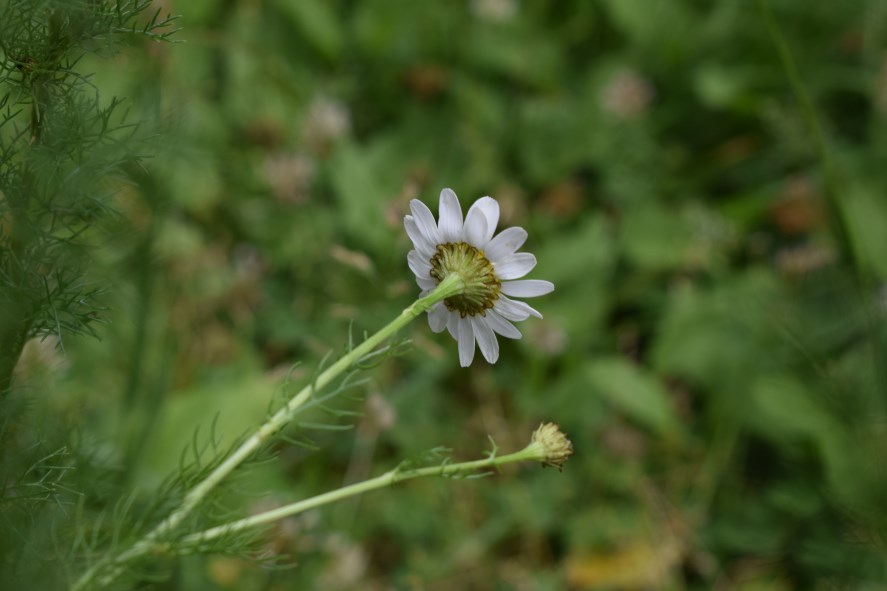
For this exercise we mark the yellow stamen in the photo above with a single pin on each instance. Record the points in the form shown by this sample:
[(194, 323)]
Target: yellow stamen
[(481, 285)]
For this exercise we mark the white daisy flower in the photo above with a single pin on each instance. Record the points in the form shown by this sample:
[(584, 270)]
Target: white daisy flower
[(488, 266)]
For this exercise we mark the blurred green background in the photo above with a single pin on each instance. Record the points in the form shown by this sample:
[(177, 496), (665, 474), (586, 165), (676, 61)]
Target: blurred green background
[(715, 347)]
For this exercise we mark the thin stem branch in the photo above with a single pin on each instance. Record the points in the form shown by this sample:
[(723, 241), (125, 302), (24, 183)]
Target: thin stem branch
[(838, 218), (450, 286), (389, 478)]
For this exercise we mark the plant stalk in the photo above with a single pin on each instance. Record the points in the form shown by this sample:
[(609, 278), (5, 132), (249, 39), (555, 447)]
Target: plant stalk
[(389, 478), (450, 286)]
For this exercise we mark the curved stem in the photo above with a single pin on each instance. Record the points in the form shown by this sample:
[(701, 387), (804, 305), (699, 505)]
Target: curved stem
[(450, 286), (387, 479), (837, 214)]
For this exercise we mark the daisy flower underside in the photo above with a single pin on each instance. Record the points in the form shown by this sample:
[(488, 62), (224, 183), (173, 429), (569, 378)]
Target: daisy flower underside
[(489, 265)]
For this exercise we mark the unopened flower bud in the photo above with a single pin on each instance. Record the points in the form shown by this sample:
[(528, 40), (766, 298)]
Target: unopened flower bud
[(550, 445)]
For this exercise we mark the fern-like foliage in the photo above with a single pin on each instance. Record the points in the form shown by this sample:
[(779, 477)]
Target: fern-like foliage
[(60, 147)]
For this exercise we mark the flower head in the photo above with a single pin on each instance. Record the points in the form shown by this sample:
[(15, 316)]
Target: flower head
[(490, 268), (550, 446)]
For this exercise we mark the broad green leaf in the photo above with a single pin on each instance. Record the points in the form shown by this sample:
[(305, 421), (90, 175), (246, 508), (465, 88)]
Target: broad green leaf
[(658, 238), (317, 23), (361, 193), (231, 407), (712, 336), (866, 213), (634, 390), (789, 408), (573, 255), (553, 138), (644, 22)]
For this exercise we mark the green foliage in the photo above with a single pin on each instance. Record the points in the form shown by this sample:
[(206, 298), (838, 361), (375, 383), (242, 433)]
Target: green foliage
[(59, 144), (63, 151), (702, 181)]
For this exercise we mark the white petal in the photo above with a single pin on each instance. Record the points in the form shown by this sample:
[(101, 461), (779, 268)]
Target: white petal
[(510, 310), (427, 284), (489, 207), (505, 244), (419, 265), (515, 266), (453, 325), (475, 228), (437, 317), (527, 288), (466, 342), (502, 326), (486, 340), (450, 222), (514, 310), (425, 221), (422, 244)]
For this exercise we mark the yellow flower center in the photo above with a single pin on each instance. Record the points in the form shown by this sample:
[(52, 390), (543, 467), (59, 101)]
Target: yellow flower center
[(481, 285)]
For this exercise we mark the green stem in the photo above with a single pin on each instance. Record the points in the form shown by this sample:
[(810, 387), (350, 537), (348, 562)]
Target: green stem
[(15, 327), (388, 479), (450, 286), (837, 215), (10, 351)]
